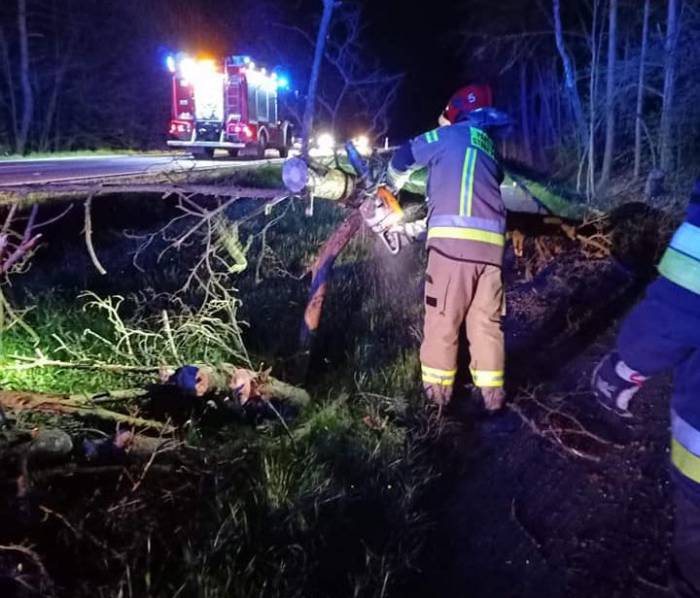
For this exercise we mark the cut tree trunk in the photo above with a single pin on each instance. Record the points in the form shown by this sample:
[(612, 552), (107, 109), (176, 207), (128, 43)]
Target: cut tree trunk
[(227, 379)]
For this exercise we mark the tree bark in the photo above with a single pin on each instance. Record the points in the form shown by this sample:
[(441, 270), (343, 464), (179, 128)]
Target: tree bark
[(569, 76), (640, 93), (320, 274), (610, 98), (666, 125), (27, 94), (307, 123)]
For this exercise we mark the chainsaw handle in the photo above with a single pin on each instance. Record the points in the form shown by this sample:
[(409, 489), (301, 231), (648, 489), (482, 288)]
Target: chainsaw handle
[(392, 241)]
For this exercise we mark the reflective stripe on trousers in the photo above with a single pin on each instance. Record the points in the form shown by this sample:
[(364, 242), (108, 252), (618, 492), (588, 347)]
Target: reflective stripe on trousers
[(461, 294)]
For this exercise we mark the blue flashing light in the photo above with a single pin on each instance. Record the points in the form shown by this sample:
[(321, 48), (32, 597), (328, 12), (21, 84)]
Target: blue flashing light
[(283, 82), (170, 63)]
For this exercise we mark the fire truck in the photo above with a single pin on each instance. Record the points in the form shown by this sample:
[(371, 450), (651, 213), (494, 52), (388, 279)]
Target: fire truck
[(230, 105)]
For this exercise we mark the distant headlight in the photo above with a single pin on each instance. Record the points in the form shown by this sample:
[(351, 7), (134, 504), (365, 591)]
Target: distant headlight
[(362, 144), (325, 142)]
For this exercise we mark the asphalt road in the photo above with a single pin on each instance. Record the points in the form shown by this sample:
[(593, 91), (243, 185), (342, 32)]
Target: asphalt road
[(55, 170)]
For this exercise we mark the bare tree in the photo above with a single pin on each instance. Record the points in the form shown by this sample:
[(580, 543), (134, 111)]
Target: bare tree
[(640, 92), (610, 97), (25, 78), (589, 159), (525, 113), (355, 81), (353, 85), (9, 85), (671, 45), (569, 74), (307, 123)]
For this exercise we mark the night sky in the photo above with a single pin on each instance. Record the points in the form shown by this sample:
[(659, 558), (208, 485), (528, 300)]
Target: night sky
[(430, 44), (418, 40)]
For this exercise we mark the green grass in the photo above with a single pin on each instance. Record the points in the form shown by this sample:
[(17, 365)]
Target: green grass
[(86, 154), (250, 511)]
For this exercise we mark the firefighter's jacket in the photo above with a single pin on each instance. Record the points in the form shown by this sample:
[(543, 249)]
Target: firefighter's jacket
[(663, 333), (466, 215)]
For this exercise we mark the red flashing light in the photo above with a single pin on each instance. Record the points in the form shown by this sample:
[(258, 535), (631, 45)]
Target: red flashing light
[(179, 126), (238, 128)]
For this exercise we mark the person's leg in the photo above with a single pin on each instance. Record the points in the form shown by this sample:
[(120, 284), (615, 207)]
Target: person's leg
[(445, 306), (685, 550), (485, 335)]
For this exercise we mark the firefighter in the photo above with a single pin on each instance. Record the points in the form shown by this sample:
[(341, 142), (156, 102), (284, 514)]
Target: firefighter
[(465, 241), (663, 333)]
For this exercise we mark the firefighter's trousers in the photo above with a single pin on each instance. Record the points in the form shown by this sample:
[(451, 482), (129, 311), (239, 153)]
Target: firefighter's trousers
[(457, 294), (685, 550)]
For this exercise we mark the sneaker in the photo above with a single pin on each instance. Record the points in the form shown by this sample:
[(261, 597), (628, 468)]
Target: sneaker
[(615, 384)]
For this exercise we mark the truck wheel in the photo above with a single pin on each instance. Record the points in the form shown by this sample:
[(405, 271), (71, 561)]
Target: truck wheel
[(284, 151), (233, 152), (261, 147)]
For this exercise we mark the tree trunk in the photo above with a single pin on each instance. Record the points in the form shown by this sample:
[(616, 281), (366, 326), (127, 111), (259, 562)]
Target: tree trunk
[(610, 98), (35, 401), (307, 123), (9, 82), (569, 76), (27, 95), (320, 277), (525, 114), (665, 127), (640, 93), (595, 43)]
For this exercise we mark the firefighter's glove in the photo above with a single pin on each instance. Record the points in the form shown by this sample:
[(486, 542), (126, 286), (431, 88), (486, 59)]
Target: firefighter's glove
[(410, 232), (377, 216), (615, 384), (395, 180)]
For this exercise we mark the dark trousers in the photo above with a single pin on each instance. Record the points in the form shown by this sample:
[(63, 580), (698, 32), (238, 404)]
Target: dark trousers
[(685, 550)]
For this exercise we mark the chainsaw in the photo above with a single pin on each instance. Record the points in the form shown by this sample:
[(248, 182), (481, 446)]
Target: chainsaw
[(364, 190), (379, 207)]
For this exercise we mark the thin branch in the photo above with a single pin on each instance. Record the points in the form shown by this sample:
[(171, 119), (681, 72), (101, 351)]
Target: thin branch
[(88, 237)]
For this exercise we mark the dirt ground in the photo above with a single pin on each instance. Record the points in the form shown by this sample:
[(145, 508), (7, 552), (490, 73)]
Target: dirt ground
[(520, 517)]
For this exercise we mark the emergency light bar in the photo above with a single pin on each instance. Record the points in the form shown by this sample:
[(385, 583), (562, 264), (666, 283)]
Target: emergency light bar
[(192, 70)]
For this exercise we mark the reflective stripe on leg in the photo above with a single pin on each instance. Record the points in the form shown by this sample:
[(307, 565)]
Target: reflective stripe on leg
[(438, 376), (487, 378), (686, 462)]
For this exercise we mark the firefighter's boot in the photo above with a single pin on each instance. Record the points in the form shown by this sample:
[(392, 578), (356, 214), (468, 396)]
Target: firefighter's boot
[(494, 398)]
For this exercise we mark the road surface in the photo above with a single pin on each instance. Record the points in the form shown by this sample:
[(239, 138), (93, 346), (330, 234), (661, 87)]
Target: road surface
[(55, 170)]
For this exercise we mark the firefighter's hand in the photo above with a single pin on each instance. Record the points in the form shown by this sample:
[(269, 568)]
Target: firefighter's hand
[(411, 232)]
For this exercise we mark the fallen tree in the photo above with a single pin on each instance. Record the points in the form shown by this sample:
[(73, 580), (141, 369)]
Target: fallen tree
[(203, 382)]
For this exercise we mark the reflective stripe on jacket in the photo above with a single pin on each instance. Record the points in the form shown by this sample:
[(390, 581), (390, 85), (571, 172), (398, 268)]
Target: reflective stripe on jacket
[(663, 333), (466, 215)]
